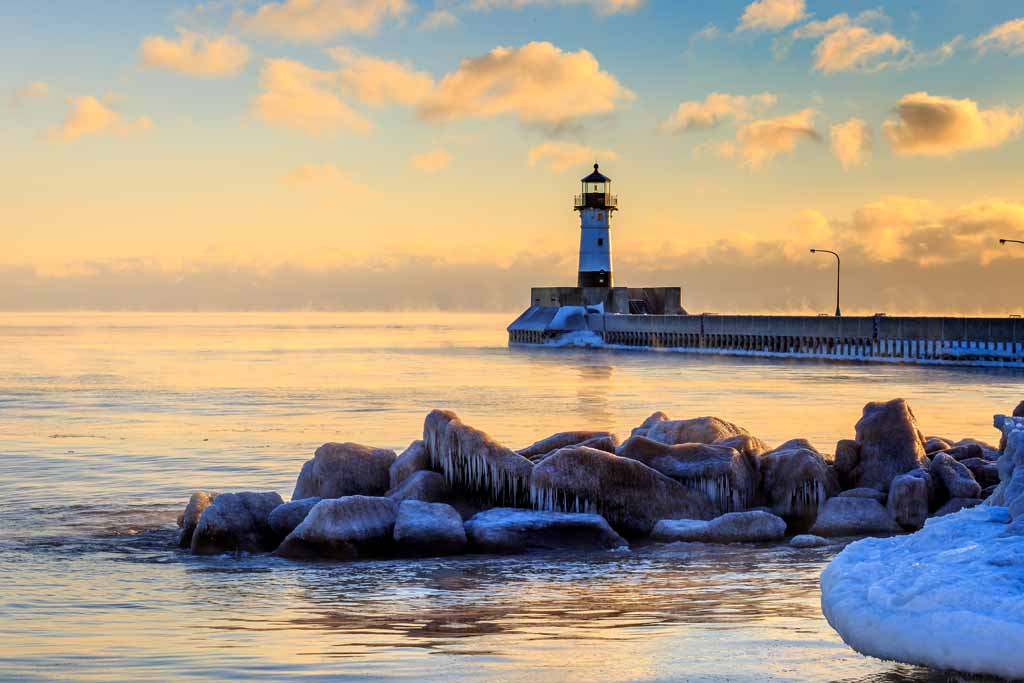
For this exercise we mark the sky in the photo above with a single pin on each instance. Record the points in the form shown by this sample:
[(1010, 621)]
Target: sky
[(363, 154)]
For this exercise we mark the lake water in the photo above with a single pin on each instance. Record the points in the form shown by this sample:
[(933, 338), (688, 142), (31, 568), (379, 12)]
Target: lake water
[(109, 421)]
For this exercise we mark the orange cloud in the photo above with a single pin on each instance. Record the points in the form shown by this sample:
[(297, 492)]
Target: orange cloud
[(323, 177), (716, 107), (88, 115), (1006, 37), (763, 140), (772, 15), (379, 82), (931, 125), (600, 6), (29, 91), (434, 161), (851, 142), (562, 156), (195, 55), (437, 19), (298, 96), (318, 20), (538, 82)]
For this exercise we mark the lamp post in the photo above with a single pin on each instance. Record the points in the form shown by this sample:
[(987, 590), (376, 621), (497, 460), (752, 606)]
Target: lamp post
[(1011, 242), (839, 265)]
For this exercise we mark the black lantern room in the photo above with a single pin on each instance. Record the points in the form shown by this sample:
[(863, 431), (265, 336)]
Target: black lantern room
[(597, 193)]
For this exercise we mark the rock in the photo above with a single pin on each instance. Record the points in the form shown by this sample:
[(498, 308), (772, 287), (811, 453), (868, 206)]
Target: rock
[(988, 451), (696, 430), (956, 505), (809, 541), (987, 492), (890, 444), (197, 503), (434, 427), (1017, 412), (962, 452), (429, 529), (934, 444), (284, 518), (873, 494), (908, 501), (508, 530), (627, 493), (646, 425), (478, 467), (412, 460), (796, 481), (985, 472), (1011, 462), (236, 522), (854, 517), (554, 442), (957, 479), (845, 461), (424, 485), (750, 446), (734, 527), (727, 477), (345, 469), (342, 529)]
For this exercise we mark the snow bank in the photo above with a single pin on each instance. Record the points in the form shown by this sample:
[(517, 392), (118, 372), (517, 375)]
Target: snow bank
[(950, 596)]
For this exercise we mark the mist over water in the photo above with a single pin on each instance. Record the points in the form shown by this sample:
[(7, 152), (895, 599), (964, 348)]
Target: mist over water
[(109, 421)]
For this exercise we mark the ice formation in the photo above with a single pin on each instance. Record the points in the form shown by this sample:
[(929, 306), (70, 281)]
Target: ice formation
[(474, 463)]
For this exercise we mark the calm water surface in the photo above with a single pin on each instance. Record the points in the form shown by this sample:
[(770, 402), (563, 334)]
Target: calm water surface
[(109, 421)]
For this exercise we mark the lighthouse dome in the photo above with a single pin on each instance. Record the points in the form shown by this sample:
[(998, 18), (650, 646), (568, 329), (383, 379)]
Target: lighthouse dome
[(596, 177)]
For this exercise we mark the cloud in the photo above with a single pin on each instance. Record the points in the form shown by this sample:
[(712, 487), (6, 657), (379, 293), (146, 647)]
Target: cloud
[(298, 96), (763, 140), (88, 115), (320, 176), (318, 20), (772, 15), (605, 7), (562, 156), (379, 82), (29, 91), (930, 125), (851, 142), (1006, 37), (195, 55), (538, 83), (716, 107), (437, 19), (434, 161)]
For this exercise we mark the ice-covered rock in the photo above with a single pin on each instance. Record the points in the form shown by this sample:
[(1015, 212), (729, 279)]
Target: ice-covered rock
[(343, 528), (236, 522), (956, 505), (796, 481), (809, 541), (908, 501), (197, 503), (948, 597), (345, 469), (934, 444), (845, 462), (854, 517), (1010, 466), (285, 517), (890, 444), (1017, 412), (427, 486), (726, 476), (429, 529), (988, 451), (961, 452), (477, 466), (873, 494), (645, 426), (552, 443), (413, 459), (695, 430), (957, 479), (750, 446), (435, 426), (630, 495), (756, 526), (509, 530), (985, 472)]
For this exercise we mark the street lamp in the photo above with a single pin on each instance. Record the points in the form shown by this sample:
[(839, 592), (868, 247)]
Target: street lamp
[(839, 265), (1010, 242)]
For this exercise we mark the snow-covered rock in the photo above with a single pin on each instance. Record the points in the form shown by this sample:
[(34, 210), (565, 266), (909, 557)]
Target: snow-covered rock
[(756, 526), (550, 444), (948, 597), (796, 481), (957, 479), (236, 522), (908, 500), (747, 444), (342, 528), (413, 459), (696, 430), (956, 505), (424, 485), (512, 530), (873, 494), (645, 426), (890, 444), (287, 516), (809, 541), (429, 529), (854, 517), (345, 469), (197, 503)]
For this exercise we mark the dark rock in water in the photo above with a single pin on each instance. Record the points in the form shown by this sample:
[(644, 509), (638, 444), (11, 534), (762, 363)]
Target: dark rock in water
[(956, 505), (854, 517), (908, 501), (197, 503), (735, 527), (412, 460), (508, 530), (646, 425), (345, 469), (962, 452), (750, 446), (846, 459), (630, 495), (890, 444), (988, 451), (696, 430), (429, 529), (796, 481), (236, 522), (809, 541), (554, 442), (985, 472), (957, 479), (873, 494), (342, 529), (427, 486), (476, 466), (726, 476), (287, 516), (934, 444)]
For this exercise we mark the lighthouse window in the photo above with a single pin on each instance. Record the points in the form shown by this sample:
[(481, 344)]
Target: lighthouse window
[(600, 241), (600, 216)]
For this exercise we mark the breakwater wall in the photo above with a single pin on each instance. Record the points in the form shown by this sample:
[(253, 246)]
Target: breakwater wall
[(880, 338)]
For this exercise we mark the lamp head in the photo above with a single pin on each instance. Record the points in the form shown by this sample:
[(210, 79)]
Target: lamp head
[(813, 251), (1002, 241)]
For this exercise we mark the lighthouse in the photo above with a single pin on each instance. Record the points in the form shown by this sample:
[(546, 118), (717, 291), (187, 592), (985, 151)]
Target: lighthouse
[(595, 204)]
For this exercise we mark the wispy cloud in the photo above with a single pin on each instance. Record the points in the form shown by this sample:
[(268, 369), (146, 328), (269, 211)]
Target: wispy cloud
[(761, 141), (1006, 37), (319, 20), (90, 116), (772, 15), (562, 156), (852, 142), (714, 109), (194, 54)]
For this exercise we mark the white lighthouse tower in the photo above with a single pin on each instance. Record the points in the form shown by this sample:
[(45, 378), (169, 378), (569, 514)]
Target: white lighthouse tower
[(595, 205)]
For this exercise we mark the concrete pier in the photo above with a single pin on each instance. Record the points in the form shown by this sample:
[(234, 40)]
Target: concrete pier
[(926, 340)]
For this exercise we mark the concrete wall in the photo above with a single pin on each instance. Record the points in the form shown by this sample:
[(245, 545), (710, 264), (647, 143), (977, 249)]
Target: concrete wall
[(615, 299)]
